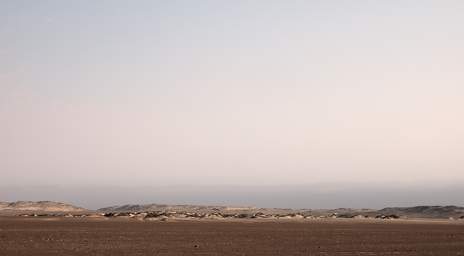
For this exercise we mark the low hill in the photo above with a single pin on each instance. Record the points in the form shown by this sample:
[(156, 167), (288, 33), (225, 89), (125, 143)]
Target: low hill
[(425, 211), (24, 207), (164, 207)]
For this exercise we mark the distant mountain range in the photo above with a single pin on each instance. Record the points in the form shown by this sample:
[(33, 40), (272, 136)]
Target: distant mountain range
[(57, 208)]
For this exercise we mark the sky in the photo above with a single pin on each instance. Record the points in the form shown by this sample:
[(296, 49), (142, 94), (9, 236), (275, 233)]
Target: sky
[(209, 95)]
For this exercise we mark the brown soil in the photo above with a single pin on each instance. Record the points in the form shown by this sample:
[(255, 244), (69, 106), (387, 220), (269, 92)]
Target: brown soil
[(61, 236)]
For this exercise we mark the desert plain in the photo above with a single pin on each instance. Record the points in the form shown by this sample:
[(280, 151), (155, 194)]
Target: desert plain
[(126, 236)]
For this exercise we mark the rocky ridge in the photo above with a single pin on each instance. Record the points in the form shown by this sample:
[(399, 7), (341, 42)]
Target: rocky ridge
[(166, 212)]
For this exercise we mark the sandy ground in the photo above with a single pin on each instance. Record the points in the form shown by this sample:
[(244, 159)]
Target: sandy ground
[(97, 236)]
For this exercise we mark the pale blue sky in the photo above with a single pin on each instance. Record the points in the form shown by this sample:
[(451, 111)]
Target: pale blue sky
[(231, 92)]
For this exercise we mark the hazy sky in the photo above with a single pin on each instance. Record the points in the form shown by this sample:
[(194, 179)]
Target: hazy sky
[(149, 93)]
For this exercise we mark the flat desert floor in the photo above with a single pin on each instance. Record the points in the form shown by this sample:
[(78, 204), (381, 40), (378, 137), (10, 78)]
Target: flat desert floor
[(68, 236)]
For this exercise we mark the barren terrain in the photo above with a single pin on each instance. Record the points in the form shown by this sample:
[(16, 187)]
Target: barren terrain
[(125, 236)]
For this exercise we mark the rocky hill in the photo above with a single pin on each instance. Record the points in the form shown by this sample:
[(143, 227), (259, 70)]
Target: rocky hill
[(20, 207), (425, 211), (164, 207)]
